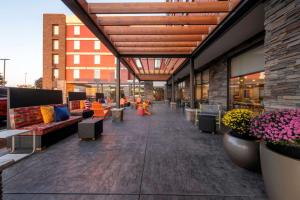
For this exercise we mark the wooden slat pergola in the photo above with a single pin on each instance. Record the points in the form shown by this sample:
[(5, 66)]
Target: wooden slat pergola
[(155, 44)]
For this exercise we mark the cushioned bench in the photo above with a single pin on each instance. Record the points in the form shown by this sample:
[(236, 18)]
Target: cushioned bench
[(30, 118), (78, 110)]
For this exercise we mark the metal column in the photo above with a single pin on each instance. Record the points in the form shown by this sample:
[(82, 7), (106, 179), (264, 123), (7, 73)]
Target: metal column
[(133, 88), (173, 90), (192, 83), (139, 88), (118, 83)]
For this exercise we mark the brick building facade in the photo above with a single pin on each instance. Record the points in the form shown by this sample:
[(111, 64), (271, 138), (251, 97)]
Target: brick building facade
[(75, 60)]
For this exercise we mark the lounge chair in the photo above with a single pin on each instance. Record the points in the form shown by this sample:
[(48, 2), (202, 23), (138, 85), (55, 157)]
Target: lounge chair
[(99, 110)]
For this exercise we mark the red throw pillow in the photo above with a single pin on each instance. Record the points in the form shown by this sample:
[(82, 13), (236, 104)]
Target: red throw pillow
[(87, 104)]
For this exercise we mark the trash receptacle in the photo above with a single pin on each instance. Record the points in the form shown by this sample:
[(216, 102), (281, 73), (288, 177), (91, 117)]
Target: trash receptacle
[(207, 122)]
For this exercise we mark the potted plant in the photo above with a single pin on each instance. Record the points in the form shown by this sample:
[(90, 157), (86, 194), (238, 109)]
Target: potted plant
[(280, 152), (239, 144)]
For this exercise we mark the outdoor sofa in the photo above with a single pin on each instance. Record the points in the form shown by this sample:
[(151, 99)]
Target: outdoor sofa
[(77, 106), (24, 110)]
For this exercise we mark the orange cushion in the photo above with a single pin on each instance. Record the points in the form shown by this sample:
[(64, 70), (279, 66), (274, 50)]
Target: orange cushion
[(48, 114), (82, 105)]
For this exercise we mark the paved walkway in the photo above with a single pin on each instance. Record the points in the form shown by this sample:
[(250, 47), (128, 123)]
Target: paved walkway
[(160, 157)]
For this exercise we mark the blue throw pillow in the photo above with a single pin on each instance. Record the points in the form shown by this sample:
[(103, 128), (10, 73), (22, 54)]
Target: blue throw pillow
[(61, 113)]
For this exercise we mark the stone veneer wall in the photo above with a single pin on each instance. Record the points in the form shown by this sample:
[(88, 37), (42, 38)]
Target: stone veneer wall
[(218, 83), (148, 89), (282, 54)]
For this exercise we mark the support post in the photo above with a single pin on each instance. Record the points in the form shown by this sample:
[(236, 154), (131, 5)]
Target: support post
[(139, 88), (166, 92), (133, 93), (192, 83), (118, 83), (173, 90)]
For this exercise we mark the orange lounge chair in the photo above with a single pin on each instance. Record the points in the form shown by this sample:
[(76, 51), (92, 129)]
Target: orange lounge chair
[(139, 100), (146, 107), (99, 111), (122, 102)]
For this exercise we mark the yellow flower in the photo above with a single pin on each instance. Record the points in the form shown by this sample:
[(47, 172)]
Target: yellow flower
[(238, 120)]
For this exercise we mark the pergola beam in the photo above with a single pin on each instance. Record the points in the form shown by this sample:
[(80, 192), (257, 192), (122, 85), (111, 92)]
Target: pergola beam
[(156, 54), (142, 64), (158, 49), (167, 30), (154, 77), (132, 61), (156, 44), (161, 55), (156, 38), (159, 7), (174, 36), (80, 9), (158, 20)]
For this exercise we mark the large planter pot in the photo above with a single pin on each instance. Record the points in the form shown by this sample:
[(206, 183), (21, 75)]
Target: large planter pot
[(243, 152), (281, 174), (190, 114), (173, 105)]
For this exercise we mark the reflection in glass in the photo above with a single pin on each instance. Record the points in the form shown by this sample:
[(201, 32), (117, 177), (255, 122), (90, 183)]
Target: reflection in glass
[(247, 91)]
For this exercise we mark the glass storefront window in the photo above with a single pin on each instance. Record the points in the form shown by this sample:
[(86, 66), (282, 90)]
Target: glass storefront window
[(205, 76), (202, 86), (247, 91), (205, 88), (198, 92), (183, 90), (246, 85)]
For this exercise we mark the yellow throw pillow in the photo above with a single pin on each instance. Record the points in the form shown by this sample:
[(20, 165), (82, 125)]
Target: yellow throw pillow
[(47, 113), (82, 106)]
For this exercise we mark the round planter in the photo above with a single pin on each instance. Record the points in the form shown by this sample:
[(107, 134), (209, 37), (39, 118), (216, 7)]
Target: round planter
[(173, 105), (190, 114), (243, 152), (281, 174)]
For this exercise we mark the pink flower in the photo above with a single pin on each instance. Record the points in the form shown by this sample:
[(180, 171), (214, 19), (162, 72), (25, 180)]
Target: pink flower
[(277, 126)]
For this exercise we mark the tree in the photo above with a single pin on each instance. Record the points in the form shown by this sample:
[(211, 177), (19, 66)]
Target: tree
[(2, 82), (39, 83)]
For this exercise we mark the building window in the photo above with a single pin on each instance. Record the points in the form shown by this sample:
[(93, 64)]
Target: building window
[(76, 59), (55, 73), (246, 84), (76, 44), (76, 30), (97, 45), (97, 59), (97, 74), (55, 59), (76, 73), (55, 30), (55, 44)]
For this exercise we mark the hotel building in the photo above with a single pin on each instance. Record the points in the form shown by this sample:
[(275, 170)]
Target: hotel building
[(75, 60)]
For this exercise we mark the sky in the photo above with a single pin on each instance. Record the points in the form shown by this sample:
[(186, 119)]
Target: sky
[(21, 36)]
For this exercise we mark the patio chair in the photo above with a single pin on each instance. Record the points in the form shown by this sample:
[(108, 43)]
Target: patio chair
[(206, 109), (122, 102)]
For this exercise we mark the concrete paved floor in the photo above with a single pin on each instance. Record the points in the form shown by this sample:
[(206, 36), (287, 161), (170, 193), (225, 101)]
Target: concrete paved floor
[(158, 157)]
